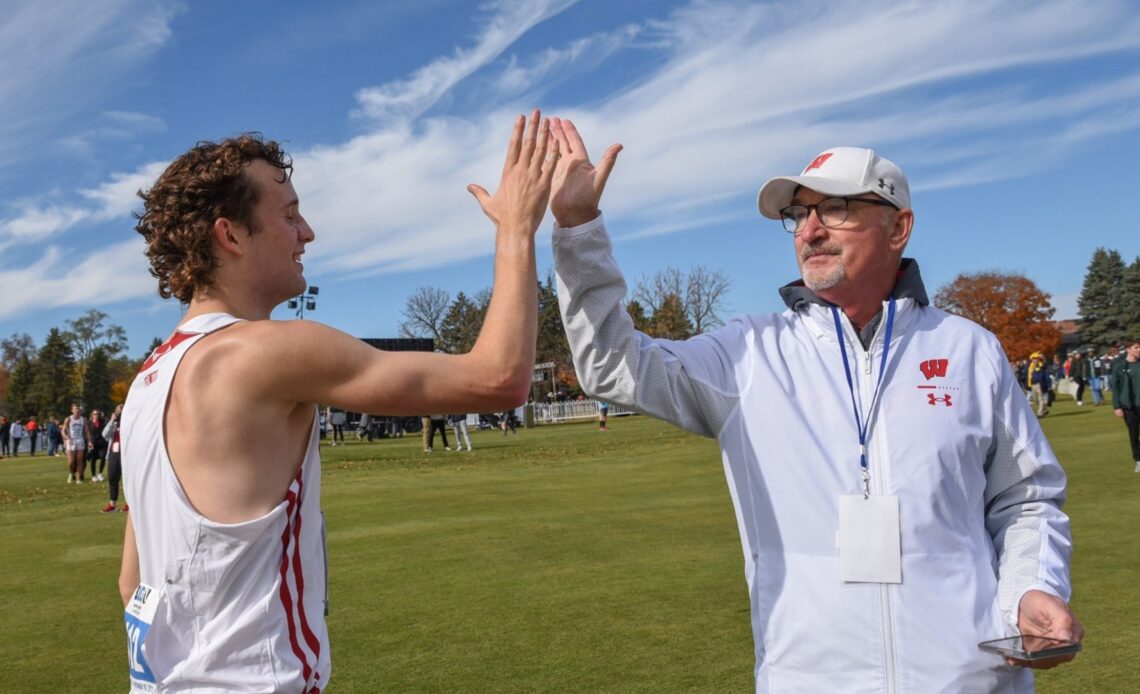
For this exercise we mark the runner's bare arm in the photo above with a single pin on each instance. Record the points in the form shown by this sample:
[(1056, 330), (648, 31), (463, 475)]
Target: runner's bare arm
[(129, 571), (303, 361)]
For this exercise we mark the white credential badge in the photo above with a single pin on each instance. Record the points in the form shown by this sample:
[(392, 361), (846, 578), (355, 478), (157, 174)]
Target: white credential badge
[(138, 615), (869, 550)]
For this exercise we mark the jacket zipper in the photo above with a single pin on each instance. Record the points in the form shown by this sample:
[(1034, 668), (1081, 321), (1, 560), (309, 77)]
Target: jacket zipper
[(884, 589)]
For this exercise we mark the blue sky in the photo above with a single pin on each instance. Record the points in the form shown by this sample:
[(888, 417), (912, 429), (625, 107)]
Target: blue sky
[(1016, 121)]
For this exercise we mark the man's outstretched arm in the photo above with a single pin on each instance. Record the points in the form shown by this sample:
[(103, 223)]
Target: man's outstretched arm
[(689, 383)]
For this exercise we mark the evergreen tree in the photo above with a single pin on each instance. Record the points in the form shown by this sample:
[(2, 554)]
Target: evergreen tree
[(670, 320), (1130, 300), (460, 326), (97, 384), (20, 401), (53, 387), (637, 313), (1102, 318), (552, 343)]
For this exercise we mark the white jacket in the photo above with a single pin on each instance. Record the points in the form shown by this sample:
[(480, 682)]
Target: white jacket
[(979, 489)]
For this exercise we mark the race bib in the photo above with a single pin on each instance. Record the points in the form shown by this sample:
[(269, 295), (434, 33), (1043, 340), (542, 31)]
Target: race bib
[(139, 615)]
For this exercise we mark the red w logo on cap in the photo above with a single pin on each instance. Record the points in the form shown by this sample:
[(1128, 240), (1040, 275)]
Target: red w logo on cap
[(817, 162)]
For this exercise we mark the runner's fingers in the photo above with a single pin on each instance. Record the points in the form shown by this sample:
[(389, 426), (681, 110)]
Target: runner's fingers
[(550, 161), (515, 145), (541, 146), (531, 136)]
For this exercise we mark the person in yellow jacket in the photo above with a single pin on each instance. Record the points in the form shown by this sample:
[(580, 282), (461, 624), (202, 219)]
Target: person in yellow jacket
[(1038, 382)]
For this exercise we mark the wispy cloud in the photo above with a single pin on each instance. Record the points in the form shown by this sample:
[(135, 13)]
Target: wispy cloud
[(110, 274), (60, 57), (406, 99), (113, 126), (114, 199), (556, 63)]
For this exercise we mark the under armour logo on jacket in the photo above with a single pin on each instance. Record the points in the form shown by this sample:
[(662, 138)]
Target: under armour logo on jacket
[(817, 162), (935, 399), (934, 367)]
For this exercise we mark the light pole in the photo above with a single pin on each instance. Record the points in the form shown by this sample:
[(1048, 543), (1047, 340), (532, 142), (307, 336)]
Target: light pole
[(305, 302)]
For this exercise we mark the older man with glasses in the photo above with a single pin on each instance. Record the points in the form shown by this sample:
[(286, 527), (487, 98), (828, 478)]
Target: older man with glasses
[(896, 499)]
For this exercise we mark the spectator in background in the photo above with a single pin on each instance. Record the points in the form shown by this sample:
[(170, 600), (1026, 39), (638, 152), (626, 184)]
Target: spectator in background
[(97, 452), (76, 440), (1126, 394), (1039, 382), (1056, 375), (603, 410), (114, 461), (364, 428), (337, 418), (508, 420), (462, 436), (32, 431), (17, 437), (54, 437), (1077, 372), (5, 436), (1096, 380), (436, 422)]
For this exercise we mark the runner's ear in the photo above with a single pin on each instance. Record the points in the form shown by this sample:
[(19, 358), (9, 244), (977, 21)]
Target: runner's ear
[(227, 237)]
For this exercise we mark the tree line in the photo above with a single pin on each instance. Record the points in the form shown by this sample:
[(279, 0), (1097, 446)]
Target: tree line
[(1020, 314), (671, 304), (84, 362)]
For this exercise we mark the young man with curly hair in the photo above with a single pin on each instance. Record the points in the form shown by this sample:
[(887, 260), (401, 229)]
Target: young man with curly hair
[(223, 572)]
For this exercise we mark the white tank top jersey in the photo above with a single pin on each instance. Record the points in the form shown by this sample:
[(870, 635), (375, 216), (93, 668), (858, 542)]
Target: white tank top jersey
[(220, 607)]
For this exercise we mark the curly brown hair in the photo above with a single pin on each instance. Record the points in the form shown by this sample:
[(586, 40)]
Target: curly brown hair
[(204, 184)]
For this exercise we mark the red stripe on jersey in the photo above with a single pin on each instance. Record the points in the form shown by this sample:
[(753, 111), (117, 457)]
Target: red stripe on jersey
[(310, 638), (286, 597)]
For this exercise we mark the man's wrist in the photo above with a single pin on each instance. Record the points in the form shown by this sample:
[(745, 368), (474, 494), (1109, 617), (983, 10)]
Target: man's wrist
[(576, 218)]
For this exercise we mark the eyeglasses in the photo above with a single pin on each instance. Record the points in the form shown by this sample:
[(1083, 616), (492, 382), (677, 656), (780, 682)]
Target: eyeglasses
[(831, 212)]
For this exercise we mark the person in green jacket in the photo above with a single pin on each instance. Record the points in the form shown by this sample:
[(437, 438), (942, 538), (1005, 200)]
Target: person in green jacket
[(1125, 381)]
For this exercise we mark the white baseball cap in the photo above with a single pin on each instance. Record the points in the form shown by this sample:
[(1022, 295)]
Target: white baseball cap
[(841, 172)]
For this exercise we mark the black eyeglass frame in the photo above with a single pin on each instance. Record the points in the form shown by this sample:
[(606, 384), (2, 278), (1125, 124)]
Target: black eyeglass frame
[(786, 218)]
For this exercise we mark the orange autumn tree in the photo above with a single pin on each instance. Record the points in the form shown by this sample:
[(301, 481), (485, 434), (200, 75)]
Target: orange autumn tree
[(1009, 305)]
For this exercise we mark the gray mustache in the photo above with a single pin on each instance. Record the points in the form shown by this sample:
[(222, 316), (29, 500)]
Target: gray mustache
[(822, 249)]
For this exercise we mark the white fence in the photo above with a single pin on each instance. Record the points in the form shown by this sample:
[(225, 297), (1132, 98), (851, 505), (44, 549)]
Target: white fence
[(555, 412)]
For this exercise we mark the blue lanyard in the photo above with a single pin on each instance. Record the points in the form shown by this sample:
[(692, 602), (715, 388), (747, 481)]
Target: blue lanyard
[(860, 425)]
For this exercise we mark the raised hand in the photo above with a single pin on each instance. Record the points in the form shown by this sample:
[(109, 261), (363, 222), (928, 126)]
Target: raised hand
[(524, 189), (578, 184)]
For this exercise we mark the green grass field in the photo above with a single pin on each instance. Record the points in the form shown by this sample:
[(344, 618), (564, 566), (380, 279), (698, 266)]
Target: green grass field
[(558, 560)]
